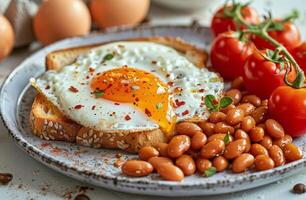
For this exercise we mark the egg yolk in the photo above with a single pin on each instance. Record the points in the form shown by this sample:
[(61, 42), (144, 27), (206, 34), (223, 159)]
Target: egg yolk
[(140, 88)]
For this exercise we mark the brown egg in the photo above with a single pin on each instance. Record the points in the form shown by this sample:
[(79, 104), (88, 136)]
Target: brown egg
[(107, 13), (59, 19), (6, 37)]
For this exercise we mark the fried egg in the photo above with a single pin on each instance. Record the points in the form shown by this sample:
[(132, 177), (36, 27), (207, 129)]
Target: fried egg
[(130, 86)]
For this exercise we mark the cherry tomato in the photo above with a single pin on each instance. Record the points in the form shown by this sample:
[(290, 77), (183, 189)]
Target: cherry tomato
[(228, 54), (299, 54), (261, 76), (287, 106), (221, 24), (290, 37)]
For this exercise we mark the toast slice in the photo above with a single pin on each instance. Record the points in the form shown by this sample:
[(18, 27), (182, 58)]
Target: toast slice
[(49, 123)]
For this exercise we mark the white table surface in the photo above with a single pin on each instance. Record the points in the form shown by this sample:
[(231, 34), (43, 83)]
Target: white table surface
[(32, 180)]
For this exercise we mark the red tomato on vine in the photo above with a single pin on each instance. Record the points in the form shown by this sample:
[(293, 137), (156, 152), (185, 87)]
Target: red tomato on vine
[(299, 54), (287, 106), (228, 54), (261, 76), (220, 23), (289, 36)]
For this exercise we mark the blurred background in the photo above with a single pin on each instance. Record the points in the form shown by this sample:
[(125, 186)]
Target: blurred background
[(23, 22)]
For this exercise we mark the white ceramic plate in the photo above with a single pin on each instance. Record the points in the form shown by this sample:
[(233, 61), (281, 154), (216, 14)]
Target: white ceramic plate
[(95, 166)]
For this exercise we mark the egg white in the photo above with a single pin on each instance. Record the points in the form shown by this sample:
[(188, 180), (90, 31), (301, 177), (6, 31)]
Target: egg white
[(169, 65)]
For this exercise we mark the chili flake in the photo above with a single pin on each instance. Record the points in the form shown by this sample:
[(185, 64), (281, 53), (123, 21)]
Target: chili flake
[(91, 70), (93, 107), (201, 90), (148, 113), (127, 117), (179, 103), (77, 107), (185, 112), (73, 89)]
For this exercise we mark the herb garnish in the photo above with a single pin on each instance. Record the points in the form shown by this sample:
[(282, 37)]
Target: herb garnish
[(107, 57), (210, 171), (98, 93), (214, 106)]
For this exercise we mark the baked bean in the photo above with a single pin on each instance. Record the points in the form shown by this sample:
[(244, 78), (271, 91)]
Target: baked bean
[(193, 153), (237, 83), (203, 164), (187, 128), (222, 127), (248, 108), (241, 134), (219, 136), (292, 152), (217, 117), (155, 161), (234, 116), (220, 163), (248, 123), (277, 155), (234, 94), (262, 126), (264, 102), (266, 142), (178, 145), (198, 140), (258, 149), (235, 149), (207, 127), (253, 99), (147, 152), (242, 163), (244, 93), (186, 164), (283, 141), (227, 108), (274, 129), (212, 149), (259, 114), (162, 148), (263, 162), (170, 172), (237, 126), (137, 168), (257, 134)]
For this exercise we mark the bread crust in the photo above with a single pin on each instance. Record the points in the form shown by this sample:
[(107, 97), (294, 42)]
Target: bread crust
[(48, 123)]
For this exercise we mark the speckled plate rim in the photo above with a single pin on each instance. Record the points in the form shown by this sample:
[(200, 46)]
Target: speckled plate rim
[(121, 181)]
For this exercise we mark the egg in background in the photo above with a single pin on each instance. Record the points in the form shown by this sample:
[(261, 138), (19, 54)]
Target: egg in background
[(59, 19), (6, 37), (108, 13)]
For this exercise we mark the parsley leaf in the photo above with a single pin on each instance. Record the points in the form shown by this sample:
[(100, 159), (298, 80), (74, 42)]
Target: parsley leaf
[(209, 102), (210, 171), (107, 57), (98, 93), (227, 138), (159, 106), (225, 101)]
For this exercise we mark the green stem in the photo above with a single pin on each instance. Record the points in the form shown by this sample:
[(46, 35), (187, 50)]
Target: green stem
[(263, 33)]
